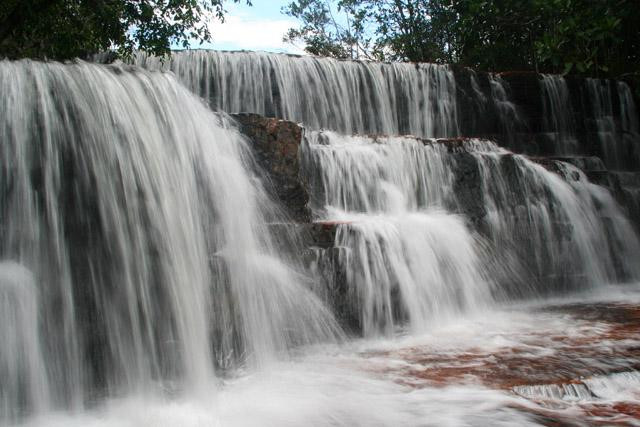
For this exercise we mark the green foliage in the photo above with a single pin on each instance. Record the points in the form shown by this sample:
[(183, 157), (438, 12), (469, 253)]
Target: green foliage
[(405, 29), (63, 29), (589, 37), (337, 30), (577, 36)]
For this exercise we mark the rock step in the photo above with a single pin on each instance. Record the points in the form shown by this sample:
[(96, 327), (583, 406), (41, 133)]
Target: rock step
[(628, 179), (585, 163), (275, 144)]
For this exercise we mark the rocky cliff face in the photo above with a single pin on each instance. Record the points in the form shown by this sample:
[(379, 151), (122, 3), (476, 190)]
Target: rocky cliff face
[(550, 115), (529, 113), (492, 189), (276, 144), (590, 123)]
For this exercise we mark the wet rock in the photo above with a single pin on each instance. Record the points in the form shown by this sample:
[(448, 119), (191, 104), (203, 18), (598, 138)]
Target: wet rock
[(275, 144), (482, 114), (552, 369)]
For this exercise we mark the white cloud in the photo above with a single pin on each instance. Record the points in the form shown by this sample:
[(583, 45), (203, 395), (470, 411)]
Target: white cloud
[(240, 31)]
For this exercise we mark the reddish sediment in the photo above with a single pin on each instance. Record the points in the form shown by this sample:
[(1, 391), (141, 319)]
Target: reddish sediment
[(612, 346)]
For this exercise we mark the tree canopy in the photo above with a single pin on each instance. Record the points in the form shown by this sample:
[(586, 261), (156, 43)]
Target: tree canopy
[(564, 36), (62, 29)]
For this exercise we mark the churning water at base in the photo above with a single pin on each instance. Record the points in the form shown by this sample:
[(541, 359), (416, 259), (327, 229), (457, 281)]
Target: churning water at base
[(500, 368), (136, 250)]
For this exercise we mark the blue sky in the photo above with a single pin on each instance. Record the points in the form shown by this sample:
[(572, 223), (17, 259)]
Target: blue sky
[(257, 27)]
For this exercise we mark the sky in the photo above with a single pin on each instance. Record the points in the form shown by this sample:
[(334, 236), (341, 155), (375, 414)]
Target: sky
[(257, 27)]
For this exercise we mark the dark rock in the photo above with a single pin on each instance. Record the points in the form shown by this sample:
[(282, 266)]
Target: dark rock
[(480, 115), (275, 144)]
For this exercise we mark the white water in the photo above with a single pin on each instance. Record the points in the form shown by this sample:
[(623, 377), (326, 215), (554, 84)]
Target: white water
[(322, 93), (140, 256), (420, 268), (22, 368), (434, 228), (623, 386), (558, 114), (562, 229), (353, 97), (629, 151), (140, 284), (508, 115), (600, 98), (613, 128), (311, 394), (368, 383), (407, 260)]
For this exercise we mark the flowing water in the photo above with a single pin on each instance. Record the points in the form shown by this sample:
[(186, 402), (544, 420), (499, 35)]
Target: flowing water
[(353, 97), (609, 120), (550, 230), (558, 114), (137, 249), (518, 365), (345, 96), (509, 118), (141, 282)]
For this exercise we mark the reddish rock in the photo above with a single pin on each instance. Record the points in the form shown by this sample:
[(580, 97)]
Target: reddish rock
[(609, 349), (275, 143)]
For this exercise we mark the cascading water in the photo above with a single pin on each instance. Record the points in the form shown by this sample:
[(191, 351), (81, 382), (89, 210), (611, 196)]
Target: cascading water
[(562, 231), (137, 262), (611, 128), (22, 368), (425, 100), (405, 260), (136, 238), (322, 93), (558, 120), (508, 115), (619, 141), (628, 111), (600, 98)]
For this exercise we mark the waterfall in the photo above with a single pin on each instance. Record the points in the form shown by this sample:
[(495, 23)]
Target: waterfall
[(22, 369), (558, 114), (322, 93), (628, 110), (629, 126), (601, 126), (509, 118), (134, 238), (437, 227), (563, 230), (147, 277), (601, 104), (425, 100), (406, 259)]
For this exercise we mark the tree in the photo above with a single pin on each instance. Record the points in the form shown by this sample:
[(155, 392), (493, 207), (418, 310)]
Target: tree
[(331, 29), (597, 38), (410, 31), (372, 29), (578, 36), (63, 29)]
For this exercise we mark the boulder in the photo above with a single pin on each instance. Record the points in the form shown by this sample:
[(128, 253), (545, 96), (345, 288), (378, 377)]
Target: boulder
[(275, 144)]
